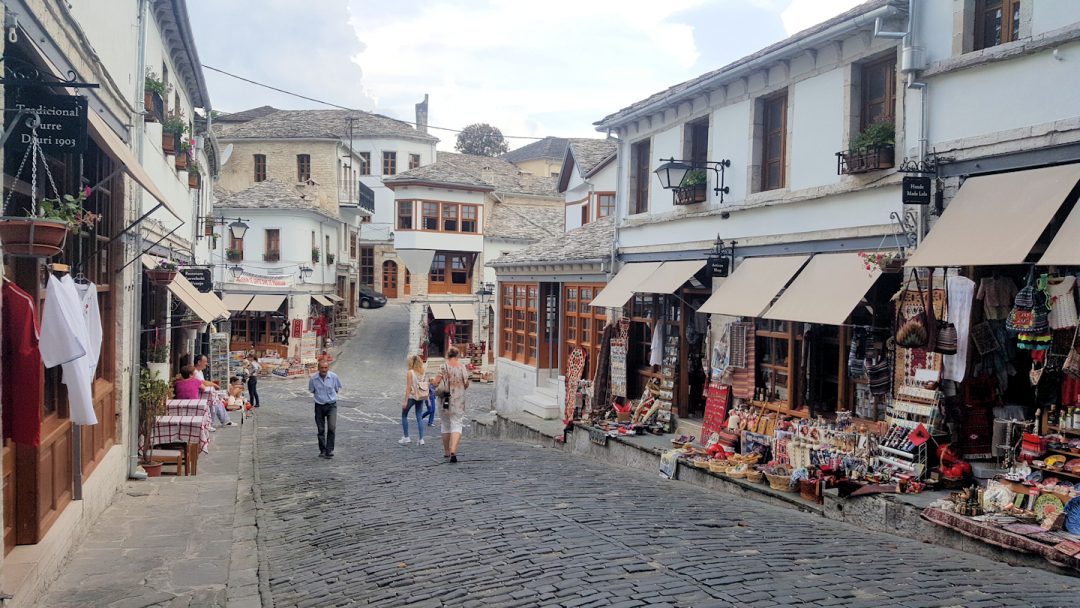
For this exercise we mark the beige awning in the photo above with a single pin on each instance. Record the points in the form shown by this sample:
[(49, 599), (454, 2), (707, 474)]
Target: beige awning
[(107, 139), (464, 312), (669, 277), (209, 300), (1064, 250), (441, 311), (826, 291), (265, 303), (621, 286), (333, 297), (206, 306), (237, 301), (321, 299), (996, 219), (751, 288)]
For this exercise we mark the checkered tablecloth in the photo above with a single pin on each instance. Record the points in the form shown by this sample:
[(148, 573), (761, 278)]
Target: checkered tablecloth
[(188, 407), (182, 429)]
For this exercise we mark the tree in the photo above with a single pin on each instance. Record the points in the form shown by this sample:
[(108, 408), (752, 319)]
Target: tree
[(481, 139)]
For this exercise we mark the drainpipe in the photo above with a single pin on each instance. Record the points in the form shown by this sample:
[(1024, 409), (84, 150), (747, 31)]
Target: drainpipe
[(134, 471)]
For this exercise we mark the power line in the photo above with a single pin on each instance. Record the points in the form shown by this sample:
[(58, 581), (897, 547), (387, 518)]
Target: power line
[(341, 107)]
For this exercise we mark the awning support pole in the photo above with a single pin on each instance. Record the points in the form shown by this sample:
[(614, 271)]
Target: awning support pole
[(147, 250)]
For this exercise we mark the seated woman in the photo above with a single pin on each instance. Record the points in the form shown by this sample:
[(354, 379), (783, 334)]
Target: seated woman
[(187, 387)]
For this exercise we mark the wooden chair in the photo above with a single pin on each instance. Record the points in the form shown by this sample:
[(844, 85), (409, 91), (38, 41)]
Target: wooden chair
[(176, 458)]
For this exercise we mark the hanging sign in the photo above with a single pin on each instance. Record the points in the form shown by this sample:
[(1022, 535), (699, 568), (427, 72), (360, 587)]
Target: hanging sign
[(916, 190), (199, 278), (62, 126)]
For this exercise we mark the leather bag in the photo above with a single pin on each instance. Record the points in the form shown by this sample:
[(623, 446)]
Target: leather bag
[(912, 331)]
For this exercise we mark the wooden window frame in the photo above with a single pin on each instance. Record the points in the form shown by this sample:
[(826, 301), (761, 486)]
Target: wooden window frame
[(696, 141), (640, 157), (1010, 22), (414, 161), (405, 220), (768, 129), (352, 245), (519, 327), (389, 163), (260, 168), (605, 204), (367, 266), (434, 213), (470, 213), (585, 213), (437, 274), (449, 212), (575, 309), (365, 163), (236, 244), (886, 65), (303, 167), (443, 266), (272, 245)]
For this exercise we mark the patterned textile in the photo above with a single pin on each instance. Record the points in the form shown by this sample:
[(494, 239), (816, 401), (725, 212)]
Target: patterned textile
[(999, 537), (737, 344), (601, 397), (182, 429), (188, 407), (575, 366), (743, 378)]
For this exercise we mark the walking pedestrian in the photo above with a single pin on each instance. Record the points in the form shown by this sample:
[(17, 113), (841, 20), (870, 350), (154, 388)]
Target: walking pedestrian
[(453, 401), (416, 394), (431, 405), (324, 387), (253, 368)]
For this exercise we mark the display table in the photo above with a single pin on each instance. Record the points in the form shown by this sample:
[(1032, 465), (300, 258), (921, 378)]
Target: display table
[(191, 430), (996, 535), (188, 407)]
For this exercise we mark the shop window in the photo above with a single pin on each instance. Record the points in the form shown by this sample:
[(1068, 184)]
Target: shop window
[(996, 22), (365, 163), (389, 163), (878, 84), (520, 317), (463, 332), (587, 323), (773, 141), (367, 266), (605, 204), (470, 218), (303, 167), (260, 167), (405, 215), (430, 216), (449, 217), (414, 161), (639, 177)]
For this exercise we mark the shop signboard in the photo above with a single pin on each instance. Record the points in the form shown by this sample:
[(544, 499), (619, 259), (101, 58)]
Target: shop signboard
[(916, 190), (62, 122), (199, 278)]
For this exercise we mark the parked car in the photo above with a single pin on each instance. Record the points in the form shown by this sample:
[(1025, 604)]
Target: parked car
[(369, 298)]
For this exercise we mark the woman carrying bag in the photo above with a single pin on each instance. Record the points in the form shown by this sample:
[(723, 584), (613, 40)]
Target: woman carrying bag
[(450, 385)]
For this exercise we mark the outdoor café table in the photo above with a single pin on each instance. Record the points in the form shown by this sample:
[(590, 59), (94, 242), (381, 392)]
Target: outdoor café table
[(192, 430), (188, 407)]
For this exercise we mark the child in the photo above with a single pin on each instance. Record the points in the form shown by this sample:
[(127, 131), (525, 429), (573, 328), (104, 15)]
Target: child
[(235, 400), (187, 387), (415, 396)]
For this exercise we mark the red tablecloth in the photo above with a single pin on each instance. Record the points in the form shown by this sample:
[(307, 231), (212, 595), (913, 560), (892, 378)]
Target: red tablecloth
[(182, 429), (188, 407)]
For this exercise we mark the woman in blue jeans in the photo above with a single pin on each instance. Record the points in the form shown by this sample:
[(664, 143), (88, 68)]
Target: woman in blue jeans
[(416, 393)]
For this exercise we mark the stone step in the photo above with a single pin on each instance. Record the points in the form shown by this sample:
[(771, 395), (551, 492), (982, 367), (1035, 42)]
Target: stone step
[(548, 390), (541, 407)]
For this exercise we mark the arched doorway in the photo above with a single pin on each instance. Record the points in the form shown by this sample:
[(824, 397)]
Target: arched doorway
[(389, 279)]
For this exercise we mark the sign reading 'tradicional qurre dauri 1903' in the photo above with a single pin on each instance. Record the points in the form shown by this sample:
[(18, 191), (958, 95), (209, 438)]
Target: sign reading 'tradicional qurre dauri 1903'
[(61, 124)]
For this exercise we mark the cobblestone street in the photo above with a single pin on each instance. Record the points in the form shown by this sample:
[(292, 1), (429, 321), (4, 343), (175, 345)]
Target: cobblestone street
[(514, 525)]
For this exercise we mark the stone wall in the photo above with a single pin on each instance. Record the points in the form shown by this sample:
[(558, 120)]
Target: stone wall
[(239, 173)]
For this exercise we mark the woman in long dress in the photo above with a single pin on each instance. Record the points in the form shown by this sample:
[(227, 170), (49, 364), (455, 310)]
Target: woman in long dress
[(453, 405)]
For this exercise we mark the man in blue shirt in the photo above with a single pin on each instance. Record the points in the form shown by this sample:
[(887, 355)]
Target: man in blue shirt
[(324, 386)]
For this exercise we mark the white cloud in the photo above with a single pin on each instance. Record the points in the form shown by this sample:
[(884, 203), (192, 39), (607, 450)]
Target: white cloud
[(801, 14)]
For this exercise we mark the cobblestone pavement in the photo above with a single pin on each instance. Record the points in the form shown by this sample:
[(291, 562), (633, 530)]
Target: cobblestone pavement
[(515, 525)]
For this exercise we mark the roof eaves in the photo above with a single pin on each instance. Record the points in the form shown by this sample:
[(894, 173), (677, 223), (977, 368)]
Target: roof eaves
[(600, 165), (415, 181)]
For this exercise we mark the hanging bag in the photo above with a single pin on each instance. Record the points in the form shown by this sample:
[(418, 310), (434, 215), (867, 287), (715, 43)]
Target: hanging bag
[(1071, 366), (443, 390), (947, 338), (912, 332)]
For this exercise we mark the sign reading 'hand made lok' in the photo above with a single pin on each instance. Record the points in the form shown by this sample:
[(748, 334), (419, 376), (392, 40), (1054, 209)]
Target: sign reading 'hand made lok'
[(62, 123)]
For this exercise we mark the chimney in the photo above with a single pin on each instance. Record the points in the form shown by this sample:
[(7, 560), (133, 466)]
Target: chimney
[(487, 175), (421, 115)]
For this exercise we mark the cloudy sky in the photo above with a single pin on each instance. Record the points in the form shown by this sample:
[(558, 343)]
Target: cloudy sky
[(531, 69)]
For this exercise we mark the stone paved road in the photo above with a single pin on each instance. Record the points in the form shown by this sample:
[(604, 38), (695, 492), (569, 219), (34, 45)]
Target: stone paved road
[(514, 525)]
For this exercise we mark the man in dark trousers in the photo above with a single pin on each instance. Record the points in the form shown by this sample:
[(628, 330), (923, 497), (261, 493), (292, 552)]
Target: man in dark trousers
[(324, 386)]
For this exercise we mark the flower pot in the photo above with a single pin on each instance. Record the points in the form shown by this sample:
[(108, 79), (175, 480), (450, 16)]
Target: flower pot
[(193, 181), (154, 105), (161, 277), (153, 469), (26, 236), (158, 369), (169, 143), (688, 195), (182, 161)]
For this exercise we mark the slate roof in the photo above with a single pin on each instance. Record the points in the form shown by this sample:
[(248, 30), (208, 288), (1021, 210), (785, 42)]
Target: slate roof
[(589, 242), (589, 154), (673, 93), (514, 222), (246, 115), (553, 148), (268, 194), (480, 172), (318, 124)]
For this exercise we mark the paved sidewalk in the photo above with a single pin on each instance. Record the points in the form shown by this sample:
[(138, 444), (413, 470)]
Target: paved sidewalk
[(173, 541)]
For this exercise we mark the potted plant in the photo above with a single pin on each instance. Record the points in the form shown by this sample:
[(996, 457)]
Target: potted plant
[(194, 175), (272, 256), (886, 261), (872, 149), (183, 155), (163, 273), (157, 359), (171, 129), (153, 393), (208, 225), (315, 254), (154, 91), (693, 188), (329, 259), (43, 231), (234, 255)]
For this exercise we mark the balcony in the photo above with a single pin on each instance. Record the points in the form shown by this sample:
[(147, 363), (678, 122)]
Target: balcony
[(272, 256), (864, 160)]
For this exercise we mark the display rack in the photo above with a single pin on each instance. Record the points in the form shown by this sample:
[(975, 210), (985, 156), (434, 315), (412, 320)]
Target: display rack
[(219, 358), (668, 371)]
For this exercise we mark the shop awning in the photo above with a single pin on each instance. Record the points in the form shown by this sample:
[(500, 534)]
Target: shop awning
[(996, 219), (464, 312), (237, 301), (206, 306), (333, 297), (209, 300), (1064, 250), (826, 291), (621, 286), (106, 138), (441, 311), (265, 303), (669, 277), (751, 288), (321, 299)]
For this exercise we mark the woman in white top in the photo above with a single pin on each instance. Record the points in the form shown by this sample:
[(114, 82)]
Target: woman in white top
[(253, 368), (416, 394)]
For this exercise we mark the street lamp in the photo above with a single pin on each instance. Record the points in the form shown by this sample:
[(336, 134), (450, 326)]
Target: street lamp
[(485, 293), (237, 271), (671, 173), (238, 230)]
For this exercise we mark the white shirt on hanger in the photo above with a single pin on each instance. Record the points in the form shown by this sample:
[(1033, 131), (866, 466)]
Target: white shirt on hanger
[(65, 340), (89, 299)]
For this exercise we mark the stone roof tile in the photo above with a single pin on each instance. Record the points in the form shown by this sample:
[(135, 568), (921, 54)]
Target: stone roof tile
[(589, 242), (518, 222), (318, 124)]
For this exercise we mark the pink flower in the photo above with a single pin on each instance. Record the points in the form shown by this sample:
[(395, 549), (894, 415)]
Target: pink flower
[(86, 191)]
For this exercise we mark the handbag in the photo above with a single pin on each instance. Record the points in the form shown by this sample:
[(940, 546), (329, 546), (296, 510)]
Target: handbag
[(947, 338), (878, 375), (443, 390), (1071, 366), (912, 332)]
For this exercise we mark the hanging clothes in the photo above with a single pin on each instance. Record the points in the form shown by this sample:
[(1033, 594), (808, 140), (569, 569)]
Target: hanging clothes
[(961, 293), (88, 297), (1063, 301), (65, 341), (656, 348), (601, 397), (23, 376), (997, 295)]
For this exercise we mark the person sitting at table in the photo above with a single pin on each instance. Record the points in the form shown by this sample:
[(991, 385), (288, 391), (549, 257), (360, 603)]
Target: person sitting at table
[(188, 386), (235, 400), (217, 408)]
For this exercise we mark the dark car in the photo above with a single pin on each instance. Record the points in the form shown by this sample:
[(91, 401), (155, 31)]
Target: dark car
[(369, 298)]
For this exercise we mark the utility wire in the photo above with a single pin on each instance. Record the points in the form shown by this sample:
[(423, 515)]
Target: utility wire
[(340, 107)]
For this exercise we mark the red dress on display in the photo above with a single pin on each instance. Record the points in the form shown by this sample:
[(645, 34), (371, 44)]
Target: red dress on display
[(23, 375)]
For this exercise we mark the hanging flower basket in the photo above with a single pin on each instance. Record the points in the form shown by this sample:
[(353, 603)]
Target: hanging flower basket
[(182, 160), (161, 277), (168, 142), (32, 236), (193, 181)]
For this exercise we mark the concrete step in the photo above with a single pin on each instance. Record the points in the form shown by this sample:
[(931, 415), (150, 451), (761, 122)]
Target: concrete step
[(542, 406), (547, 390)]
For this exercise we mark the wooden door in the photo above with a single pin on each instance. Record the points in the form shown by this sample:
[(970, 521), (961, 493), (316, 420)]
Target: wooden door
[(389, 279)]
